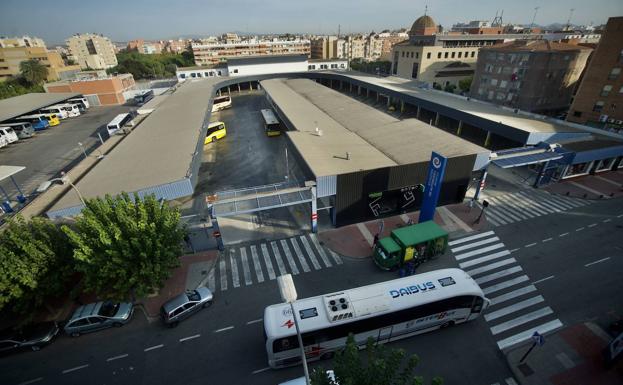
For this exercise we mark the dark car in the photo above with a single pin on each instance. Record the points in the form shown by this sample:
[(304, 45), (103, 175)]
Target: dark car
[(33, 336)]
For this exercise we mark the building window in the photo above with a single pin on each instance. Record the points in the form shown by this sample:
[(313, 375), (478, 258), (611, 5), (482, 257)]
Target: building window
[(605, 164), (598, 106), (606, 90), (466, 54), (414, 71), (614, 73), (452, 55), (428, 55), (490, 95), (473, 53), (577, 169), (403, 53), (236, 71), (438, 55), (460, 54), (445, 55), (417, 55)]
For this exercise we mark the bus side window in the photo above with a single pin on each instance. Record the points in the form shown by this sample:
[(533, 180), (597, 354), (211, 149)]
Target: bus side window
[(477, 307)]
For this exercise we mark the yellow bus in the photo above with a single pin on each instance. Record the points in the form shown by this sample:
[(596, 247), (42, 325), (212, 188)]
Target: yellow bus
[(216, 130), (271, 123), (52, 119)]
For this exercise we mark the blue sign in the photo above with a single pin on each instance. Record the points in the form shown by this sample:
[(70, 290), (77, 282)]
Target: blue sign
[(538, 338), (436, 170)]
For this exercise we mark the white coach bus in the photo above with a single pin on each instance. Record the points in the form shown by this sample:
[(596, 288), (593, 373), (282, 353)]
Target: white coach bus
[(386, 311)]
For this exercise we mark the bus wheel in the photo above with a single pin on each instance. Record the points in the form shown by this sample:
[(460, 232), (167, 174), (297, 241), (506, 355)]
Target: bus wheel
[(447, 324)]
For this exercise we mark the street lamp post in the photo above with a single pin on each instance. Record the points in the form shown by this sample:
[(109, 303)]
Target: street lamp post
[(288, 294), (63, 179)]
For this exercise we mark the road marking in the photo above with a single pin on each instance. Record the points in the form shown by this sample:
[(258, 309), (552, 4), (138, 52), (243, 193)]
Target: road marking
[(513, 308), (245, 267), (223, 329), (300, 256), (280, 265), (461, 240), (319, 247), (592, 225), (116, 357), (620, 216), (510, 381), (268, 262), (505, 284), (223, 269), (486, 258), (590, 190), (525, 318), (491, 266), (513, 250), (234, 269), (598, 261), (310, 253), (530, 245), (260, 370), (526, 335), (479, 251), (31, 381), (319, 250), (607, 220), (563, 234), (256, 263), (542, 279), (579, 229), (607, 180), (471, 245), (512, 294), (546, 240), (366, 233), (190, 338), (254, 321), (74, 369), (499, 274), (212, 279), (153, 347), (288, 254)]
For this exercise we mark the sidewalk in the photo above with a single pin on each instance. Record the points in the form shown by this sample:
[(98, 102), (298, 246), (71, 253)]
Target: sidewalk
[(355, 241), (600, 186), (570, 357)]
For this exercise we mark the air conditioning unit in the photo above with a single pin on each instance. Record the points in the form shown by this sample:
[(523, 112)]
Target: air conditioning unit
[(338, 307)]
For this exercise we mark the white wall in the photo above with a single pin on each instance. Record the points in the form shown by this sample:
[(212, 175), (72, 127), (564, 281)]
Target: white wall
[(200, 73), (269, 68)]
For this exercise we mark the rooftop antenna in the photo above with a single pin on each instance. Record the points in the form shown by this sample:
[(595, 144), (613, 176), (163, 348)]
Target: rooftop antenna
[(569, 19), (425, 9), (536, 9), (497, 21), (339, 28)]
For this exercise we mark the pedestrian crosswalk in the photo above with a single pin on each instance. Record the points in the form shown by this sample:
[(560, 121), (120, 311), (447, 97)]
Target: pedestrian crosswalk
[(264, 261), (516, 310), (527, 204)]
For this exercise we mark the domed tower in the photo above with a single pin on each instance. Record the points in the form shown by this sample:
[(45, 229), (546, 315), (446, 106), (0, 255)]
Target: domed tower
[(424, 25)]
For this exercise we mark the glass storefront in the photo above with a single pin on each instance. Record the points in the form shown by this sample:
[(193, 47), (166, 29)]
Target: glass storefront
[(577, 169)]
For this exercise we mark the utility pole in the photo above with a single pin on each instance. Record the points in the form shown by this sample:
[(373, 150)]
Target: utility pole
[(569, 19)]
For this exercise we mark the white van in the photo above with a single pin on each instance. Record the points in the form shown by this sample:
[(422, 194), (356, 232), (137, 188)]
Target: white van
[(3, 142), (9, 134), (82, 100), (58, 111), (23, 130), (72, 109), (118, 122)]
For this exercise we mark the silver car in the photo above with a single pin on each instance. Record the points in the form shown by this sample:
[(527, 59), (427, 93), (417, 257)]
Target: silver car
[(99, 315), (184, 305)]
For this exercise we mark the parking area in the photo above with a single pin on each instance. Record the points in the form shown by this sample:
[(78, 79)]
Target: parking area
[(247, 157), (56, 149)]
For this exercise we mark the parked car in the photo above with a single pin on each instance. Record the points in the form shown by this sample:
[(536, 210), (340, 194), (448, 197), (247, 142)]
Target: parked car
[(99, 315), (9, 134), (184, 305), (33, 336)]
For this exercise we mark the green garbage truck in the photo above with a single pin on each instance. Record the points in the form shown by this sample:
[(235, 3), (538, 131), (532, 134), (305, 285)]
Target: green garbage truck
[(410, 243)]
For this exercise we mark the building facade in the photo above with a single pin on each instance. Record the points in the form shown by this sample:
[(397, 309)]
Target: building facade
[(92, 51), (103, 91), (325, 47), (599, 99), (536, 76), (209, 54), (16, 50)]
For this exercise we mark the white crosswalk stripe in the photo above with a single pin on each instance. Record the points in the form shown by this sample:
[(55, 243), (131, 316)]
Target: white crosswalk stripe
[(516, 309), (526, 204), (263, 261)]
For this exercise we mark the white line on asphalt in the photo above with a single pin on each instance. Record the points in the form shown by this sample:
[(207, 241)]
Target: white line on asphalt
[(491, 266), (513, 294), (260, 370), (254, 321), (457, 241), (598, 261), (223, 329), (31, 381), (620, 216), (563, 234), (607, 220), (513, 250), (542, 279), (526, 335), (474, 244), (268, 262), (579, 229), (510, 381), (190, 338), (592, 225), (546, 240), (530, 245), (513, 308), (116, 357), (505, 284), (498, 274), (74, 369), (486, 258), (153, 347), (523, 319), (478, 251)]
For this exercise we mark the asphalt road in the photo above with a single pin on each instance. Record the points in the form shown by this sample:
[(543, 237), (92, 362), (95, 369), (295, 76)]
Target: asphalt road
[(55, 149)]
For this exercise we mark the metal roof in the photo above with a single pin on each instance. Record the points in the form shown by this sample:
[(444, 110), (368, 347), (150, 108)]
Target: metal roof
[(9, 171), (21, 105), (524, 160)]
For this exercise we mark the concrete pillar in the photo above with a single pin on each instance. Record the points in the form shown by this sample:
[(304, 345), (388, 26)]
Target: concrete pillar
[(218, 92), (402, 106), (341, 85), (389, 101), (358, 90), (417, 114), (228, 90), (537, 181), (367, 92), (377, 97), (351, 87), (238, 87), (330, 83), (488, 139), (437, 120), (314, 211), (459, 128), (250, 85), (481, 184)]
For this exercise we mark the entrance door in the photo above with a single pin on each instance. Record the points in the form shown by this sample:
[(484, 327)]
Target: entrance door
[(384, 334)]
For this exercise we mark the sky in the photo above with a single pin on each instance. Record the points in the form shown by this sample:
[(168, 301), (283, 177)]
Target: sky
[(123, 20)]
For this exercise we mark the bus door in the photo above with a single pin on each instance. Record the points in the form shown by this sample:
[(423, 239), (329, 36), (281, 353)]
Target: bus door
[(384, 334)]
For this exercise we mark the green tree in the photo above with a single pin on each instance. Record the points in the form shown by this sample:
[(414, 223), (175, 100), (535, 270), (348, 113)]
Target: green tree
[(465, 84), (34, 72), (36, 262), (380, 365), (449, 88), (126, 246)]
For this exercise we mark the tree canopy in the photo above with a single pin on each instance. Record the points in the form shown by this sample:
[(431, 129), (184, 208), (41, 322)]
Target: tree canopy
[(143, 66), (126, 245), (465, 84), (16, 86), (380, 365), (34, 72), (35, 261)]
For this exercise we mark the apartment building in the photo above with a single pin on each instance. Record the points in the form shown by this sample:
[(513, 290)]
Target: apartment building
[(537, 76), (92, 51), (599, 99), (13, 51), (213, 53), (324, 47), (176, 46)]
